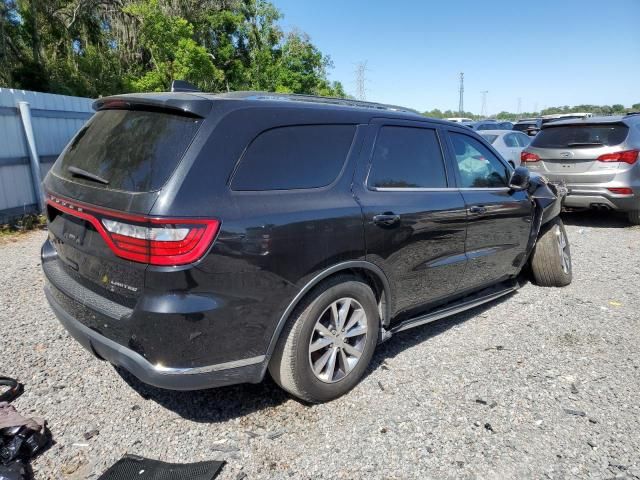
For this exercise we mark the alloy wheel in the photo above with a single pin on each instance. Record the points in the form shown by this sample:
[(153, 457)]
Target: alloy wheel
[(338, 340), (563, 250)]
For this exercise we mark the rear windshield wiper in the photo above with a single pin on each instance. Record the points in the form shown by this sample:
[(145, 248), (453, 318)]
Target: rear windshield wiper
[(585, 144), (79, 172)]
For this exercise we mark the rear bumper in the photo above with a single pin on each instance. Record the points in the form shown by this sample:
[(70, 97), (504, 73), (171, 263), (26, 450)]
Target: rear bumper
[(582, 196), (247, 370)]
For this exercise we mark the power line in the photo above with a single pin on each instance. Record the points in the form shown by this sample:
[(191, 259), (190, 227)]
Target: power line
[(483, 110), (461, 102), (361, 70)]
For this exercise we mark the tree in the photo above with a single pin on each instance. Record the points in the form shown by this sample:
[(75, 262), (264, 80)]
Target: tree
[(101, 47), (172, 51)]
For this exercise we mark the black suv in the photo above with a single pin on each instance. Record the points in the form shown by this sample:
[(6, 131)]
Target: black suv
[(199, 240)]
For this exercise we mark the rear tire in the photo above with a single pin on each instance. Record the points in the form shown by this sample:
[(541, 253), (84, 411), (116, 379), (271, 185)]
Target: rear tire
[(551, 259), (634, 217), (312, 336)]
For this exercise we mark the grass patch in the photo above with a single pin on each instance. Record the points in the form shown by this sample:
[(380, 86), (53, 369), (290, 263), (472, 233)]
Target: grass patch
[(22, 225)]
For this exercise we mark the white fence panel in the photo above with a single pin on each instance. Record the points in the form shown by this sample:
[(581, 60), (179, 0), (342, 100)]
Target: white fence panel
[(55, 119)]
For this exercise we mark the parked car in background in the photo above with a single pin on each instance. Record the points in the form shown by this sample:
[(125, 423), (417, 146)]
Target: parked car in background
[(597, 158), (491, 124), (530, 126), (505, 125), (508, 143), (459, 119), (485, 125), (564, 116), (199, 240)]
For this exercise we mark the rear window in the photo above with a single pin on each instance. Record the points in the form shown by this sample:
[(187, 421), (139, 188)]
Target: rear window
[(132, 150), (580, 136), (296, 157)]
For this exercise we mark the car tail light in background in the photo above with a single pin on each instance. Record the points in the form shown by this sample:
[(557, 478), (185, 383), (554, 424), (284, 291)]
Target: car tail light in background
[(627, 156), (157, 241), (526, 157), (621, 190)]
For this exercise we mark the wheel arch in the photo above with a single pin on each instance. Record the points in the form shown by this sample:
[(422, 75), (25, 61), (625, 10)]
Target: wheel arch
[(367, 271)]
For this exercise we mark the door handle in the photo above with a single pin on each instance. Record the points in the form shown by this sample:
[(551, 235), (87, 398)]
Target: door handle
[(477, 210), (386, 219)]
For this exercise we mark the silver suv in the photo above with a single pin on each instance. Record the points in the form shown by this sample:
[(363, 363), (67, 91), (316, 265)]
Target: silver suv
[(596, 157)]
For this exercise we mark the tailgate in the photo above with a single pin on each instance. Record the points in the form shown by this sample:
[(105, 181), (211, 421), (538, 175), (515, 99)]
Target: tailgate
[(110, 174)]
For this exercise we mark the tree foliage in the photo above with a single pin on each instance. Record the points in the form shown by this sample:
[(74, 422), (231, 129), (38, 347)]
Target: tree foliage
[(101, 47)]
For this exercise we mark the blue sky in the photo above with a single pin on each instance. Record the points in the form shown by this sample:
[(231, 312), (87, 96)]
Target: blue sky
[(547, 52)]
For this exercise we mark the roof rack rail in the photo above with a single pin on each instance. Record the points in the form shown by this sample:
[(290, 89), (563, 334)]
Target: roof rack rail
[(296, 97)]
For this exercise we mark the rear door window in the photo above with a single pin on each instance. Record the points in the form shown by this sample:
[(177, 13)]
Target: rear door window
[(581, 136), (407, 157), (128, 150), (295, 157), (510, 140), (523, 140), (489, 138)]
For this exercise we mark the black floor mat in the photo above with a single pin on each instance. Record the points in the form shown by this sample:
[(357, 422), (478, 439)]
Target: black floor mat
[(132, 467)]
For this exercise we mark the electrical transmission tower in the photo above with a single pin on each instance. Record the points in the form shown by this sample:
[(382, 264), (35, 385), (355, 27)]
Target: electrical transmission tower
[(519, 112), (361, 70), (461, 102), (483, 110)]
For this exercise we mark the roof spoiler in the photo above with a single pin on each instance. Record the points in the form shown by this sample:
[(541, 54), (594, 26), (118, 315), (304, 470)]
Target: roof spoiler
[(183, 86), (176, 103)]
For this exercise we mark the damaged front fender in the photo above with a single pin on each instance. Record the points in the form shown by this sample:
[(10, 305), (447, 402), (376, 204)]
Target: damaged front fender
[(548, 200), (547, 196)]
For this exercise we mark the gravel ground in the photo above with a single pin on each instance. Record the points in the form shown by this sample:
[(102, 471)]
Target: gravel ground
[(543, 384)]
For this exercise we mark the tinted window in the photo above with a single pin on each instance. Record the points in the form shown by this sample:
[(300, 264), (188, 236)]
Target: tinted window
[(487, 126), (134, 151), (522, 139), (510, 140), (308, 156), (489, 138), (580, 136), (478, 167), (407, 157)]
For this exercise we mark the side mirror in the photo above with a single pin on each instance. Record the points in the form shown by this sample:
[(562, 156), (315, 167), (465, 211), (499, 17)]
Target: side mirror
[(519, 179)]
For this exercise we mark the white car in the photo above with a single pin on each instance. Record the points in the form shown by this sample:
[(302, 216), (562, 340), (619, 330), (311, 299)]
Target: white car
[(508, 143)]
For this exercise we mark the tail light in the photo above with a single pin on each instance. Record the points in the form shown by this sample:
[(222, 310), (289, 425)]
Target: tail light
[(157, 241), (528, 157), (621, 190), (627, 156)]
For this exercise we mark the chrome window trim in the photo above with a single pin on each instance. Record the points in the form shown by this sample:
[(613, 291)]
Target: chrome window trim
[(447, 189), (487, 189), (412, 189)]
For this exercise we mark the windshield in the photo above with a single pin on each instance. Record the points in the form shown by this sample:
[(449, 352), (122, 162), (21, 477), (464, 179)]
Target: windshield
[(128, 150), (567, 136)]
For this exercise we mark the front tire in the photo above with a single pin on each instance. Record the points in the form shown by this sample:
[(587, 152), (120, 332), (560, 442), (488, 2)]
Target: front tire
[(634, 217), (328, 341), (551, 259)]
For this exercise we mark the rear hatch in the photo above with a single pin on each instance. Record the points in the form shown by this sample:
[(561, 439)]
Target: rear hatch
[(103, 186), (579, 153)]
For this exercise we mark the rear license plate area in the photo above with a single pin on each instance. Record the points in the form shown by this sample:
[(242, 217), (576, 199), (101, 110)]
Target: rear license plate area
[(74, 230)]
